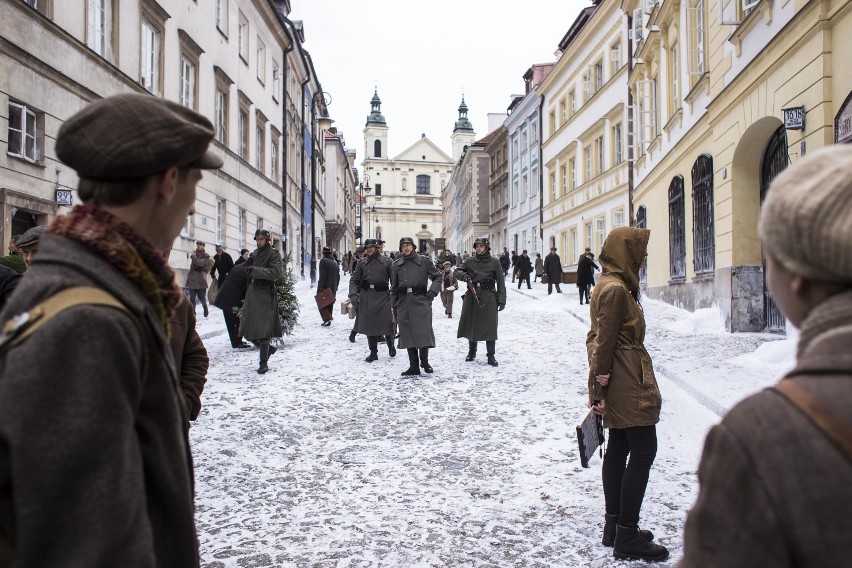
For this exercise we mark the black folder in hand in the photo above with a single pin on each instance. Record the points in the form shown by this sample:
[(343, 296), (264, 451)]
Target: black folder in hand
[(590, 436)]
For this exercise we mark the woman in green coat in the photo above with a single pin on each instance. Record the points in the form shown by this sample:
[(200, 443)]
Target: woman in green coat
[(478, 320)]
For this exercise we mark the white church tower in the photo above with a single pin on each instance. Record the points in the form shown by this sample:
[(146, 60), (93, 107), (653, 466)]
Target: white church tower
[(376, 131), (463, 134)]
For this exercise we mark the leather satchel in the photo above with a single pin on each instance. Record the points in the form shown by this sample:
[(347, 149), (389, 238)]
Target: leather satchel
[(324, 297)]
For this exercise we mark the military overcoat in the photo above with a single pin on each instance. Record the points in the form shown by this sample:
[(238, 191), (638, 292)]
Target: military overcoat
[(411, 277), (259, 318), (480, 324), (371, 281)]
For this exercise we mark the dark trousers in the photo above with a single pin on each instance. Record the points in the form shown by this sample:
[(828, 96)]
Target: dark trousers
[(327, 313), (199, 294), (524, 277), (585, 292), (550, 286), (624, 483), (232, 324)]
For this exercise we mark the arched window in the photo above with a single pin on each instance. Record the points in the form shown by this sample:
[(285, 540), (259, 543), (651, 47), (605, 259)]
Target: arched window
[(677, 230), (377, 149), (642, 223), (703, 230), (423, 184)]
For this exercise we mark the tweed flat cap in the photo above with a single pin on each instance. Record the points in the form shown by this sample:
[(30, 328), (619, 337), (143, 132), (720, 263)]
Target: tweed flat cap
[(806, 218), (30, 237), (133, 135)]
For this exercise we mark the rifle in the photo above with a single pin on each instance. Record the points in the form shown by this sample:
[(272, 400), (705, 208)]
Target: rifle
[(472, 289)]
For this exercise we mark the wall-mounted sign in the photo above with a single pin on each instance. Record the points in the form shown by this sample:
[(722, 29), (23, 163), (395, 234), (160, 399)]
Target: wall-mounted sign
[(794, 118), (63, 196), (843, 123)]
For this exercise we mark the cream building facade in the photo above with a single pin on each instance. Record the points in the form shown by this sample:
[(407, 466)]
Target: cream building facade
[(498, 189), (339, 193), (727, 95), (586, 172), (405, 195)]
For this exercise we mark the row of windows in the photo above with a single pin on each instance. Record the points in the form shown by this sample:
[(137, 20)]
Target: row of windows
[(523, 185), (219, 230), (594, 163), (703, 241), (590, 234)]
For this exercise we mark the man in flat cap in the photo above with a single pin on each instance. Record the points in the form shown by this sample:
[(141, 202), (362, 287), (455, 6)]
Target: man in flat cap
[(95, 466), (200, 264), (28, 243)]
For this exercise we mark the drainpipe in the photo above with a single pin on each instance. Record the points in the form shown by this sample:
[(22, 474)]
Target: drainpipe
[(302, 179), (631, 124)]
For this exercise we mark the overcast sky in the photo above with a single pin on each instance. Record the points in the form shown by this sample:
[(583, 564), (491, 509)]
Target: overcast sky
[(422, 55)]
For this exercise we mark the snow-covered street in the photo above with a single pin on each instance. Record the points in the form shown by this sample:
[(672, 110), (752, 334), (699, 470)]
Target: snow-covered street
[(330, 461)]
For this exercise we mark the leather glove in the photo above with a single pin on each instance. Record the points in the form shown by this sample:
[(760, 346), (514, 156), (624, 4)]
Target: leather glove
[(431, 295), (500, 307), (355, 299), (459, 275), (249, 269)]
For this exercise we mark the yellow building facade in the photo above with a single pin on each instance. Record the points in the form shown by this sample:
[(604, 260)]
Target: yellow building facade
[(724, 96)]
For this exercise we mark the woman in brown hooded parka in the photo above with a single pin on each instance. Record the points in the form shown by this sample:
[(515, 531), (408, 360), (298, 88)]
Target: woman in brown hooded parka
[(623, 389)]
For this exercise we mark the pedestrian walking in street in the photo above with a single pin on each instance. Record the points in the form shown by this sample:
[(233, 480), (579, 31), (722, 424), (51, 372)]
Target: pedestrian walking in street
[(95, 465), (623, 389), (200, 264), (514, 259), (539, 267), (774, 474), (553, 270), (329, 278), (415, 282), (449, 285), (259, 320), (586, 276), (222, 265), (505, 262), (524, 269), (230, 296), (485, 296), (369, 291)]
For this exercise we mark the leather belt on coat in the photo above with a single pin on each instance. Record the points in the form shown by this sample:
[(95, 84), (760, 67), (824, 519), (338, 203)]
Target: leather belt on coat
[(488, 284), (416, 290), (378, 286)]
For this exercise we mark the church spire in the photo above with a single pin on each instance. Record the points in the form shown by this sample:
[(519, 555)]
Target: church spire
[(463, 124), (376, 110)]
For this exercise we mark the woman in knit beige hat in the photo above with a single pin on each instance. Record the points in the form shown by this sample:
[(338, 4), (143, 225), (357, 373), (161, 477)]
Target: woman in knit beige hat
[(774, 475)]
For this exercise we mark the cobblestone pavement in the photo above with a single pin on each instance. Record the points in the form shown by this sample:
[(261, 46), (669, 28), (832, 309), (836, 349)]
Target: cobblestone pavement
[(329, 461)]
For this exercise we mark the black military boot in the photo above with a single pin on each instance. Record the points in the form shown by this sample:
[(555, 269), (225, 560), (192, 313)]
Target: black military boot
[(609, 531), (424, 359), (391, 346), (471, 351), (264, 357), (630, 545), (413, 363), (373, 342), (352, 336), (491, 347)]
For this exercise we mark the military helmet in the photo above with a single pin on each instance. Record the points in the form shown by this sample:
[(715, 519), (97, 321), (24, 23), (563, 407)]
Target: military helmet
[(405, 240), (262, 233), (371, 243), (482, 241)]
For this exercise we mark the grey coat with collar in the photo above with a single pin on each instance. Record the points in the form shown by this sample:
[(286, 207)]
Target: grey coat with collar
[(374, 307), (414, 311), (95, 467)]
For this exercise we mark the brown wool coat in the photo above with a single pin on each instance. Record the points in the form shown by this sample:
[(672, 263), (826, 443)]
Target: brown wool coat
[(199, 267), (615, 341), (774, 491), (95, 468), (190, 356)]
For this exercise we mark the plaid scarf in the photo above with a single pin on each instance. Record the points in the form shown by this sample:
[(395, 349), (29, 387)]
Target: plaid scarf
[(126, 251)]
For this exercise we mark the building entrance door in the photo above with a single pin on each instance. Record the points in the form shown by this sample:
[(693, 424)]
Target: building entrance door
[(775, 161)]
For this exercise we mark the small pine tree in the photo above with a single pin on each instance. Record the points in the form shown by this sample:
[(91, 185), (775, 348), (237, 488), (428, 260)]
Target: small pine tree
[(288, 304)]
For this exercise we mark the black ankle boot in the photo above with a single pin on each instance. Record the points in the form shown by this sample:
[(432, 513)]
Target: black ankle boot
[(264, 357), (471, 351), (352, 336), (424, 359), (373, 342), (491, 347), (608, 538), (391, 346), (413, 363), (630, 545)]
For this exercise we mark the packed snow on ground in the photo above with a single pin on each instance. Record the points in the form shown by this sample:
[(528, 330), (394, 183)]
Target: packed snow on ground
[(331, 461)]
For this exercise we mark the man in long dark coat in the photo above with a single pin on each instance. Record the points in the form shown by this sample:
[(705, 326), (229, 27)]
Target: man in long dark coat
[(369, 292), (525, 268), (478, 320), (329, 277), (586, 276), (259, 320), (222, 265), (230, 296), (553, 270), (411, 299)]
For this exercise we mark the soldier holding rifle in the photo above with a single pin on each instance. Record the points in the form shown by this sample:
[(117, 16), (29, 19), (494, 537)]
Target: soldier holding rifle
[(486, 295)]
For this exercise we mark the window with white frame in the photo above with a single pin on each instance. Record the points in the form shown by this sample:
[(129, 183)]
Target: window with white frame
[(645, 114), (150, 57), (222, 16), (572, 97), (222, 116), (261, 61), (514, 193), (187, 82), (243, 37), (241, 229), (534, 181), (574, 245), (276, 80), (260, 145), (563, 174), (96, 26), (273, 156), (589, 235), (523, 139), (220, 221), (24, 134), (243, 128), (552, 121), (186, 230), (515, 152), (525, 183), (534, 129), (564, 240), (563, 111), (598, 72), (552, 186), (674, 76), (587, 159), (572, 165), (696, 34), (599, 155), (618, 218), (600, 230), (618, 144), (615, 56)]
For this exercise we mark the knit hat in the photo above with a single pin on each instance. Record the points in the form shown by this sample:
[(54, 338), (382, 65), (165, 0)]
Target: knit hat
[(806, 218)]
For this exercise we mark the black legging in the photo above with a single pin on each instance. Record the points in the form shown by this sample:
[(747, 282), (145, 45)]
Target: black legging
[(624, 485)]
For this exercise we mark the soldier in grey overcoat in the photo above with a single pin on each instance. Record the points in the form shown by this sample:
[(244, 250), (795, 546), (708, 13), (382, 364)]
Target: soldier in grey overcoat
[(480, 323), (259, 320), (411, 301), (369, 292)]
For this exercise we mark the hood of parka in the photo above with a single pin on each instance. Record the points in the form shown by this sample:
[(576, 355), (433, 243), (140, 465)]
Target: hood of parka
[(623, 253)]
